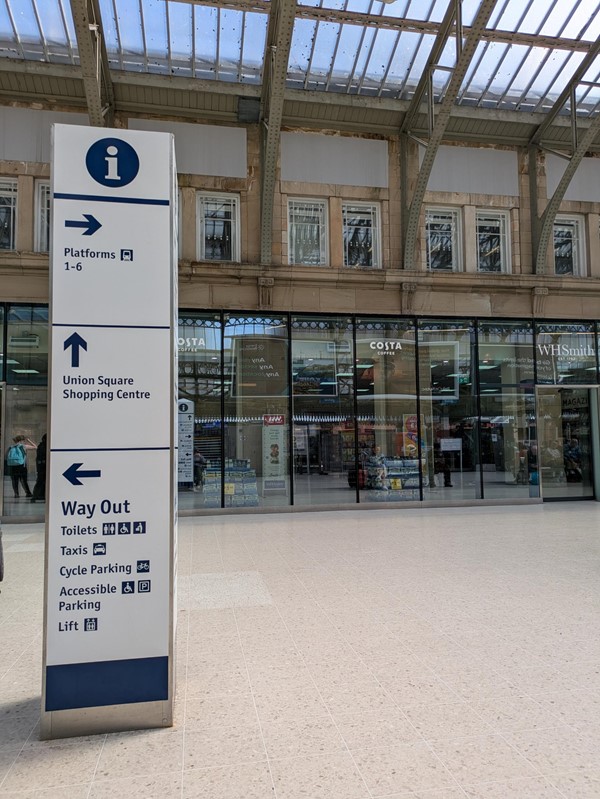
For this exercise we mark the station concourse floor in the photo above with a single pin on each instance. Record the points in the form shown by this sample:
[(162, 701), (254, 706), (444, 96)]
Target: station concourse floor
[(431, 653)]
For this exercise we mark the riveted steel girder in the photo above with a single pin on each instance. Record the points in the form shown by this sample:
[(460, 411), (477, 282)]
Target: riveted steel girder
[(277, 52), (543, 228), (93, 61), (442, 111)]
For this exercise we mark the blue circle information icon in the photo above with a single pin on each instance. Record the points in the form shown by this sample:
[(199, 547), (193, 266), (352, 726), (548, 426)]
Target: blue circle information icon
[(112, 162)]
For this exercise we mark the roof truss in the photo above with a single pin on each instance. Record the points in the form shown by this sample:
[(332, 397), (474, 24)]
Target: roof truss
[(94, 61)]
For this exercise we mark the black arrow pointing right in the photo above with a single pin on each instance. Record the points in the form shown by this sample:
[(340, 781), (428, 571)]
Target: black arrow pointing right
[(91, 224)]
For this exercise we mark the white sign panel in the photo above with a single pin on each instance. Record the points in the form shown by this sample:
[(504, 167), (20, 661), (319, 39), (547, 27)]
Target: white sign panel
[(110, 525), (185, 452)]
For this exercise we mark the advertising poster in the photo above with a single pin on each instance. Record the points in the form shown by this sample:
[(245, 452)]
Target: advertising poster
[(274, 449)]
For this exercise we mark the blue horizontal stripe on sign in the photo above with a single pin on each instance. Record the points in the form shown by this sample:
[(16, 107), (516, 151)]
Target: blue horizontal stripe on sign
[(59, 195), (118, 327), (112, 449), (107, 682)]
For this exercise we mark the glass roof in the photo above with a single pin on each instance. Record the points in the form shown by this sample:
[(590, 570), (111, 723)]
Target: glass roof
[(527, 56)]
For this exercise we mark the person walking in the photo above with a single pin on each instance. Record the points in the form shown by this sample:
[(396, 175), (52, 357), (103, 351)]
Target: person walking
[(16, 461), (39, 489)]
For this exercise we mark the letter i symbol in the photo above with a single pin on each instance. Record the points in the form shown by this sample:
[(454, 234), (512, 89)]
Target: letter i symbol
[(112, 164)]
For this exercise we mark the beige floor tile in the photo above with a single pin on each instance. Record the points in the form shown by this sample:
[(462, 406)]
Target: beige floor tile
[(579, 785), (154, 786), (140, 753), (557, 749), (223, 746), (376, 729), (299, 738), (484, 759), (288, 704), (536, 788), (515, 713), (220, 710), (53, 764), (247, 781), (332, 776), (63, 792), (446, 720), (402, 768)]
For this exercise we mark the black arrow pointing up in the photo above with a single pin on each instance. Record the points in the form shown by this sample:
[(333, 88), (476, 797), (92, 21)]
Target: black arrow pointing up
[(91, 225), (76, 342), (73, 474)]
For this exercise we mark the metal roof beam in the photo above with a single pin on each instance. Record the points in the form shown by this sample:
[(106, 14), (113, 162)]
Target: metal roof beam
[(566, 94), (344, 17), (277, 53), (93, 60), (546, 227), (442, 116)]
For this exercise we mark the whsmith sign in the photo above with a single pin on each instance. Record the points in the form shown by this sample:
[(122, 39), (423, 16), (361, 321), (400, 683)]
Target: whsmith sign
[(110, 530), (565, 351)]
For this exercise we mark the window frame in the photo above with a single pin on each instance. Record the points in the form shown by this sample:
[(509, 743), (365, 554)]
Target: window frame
[(324, 234), (505, 241), (40, 232), (375, 209), (579, 252), (456, 237), (9, 188), (201, 198)]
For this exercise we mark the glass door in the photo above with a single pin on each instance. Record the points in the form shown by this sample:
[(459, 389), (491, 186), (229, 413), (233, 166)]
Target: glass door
[(565, 443)]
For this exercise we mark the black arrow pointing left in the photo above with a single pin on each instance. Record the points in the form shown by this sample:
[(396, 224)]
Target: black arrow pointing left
[(91, 224), (74, 473)]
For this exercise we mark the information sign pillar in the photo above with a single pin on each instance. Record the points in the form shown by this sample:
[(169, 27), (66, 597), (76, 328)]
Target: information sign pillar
[(111, 521)]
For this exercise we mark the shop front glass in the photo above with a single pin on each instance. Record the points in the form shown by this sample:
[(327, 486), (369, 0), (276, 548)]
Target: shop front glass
[(24, 409), (509, 467), (565, 442), (448, 408), (200, 393), (256, 406), (386, 401), (323, 410)]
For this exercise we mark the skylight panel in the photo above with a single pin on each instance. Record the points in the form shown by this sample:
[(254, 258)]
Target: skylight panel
[(23, 16), (205, 39), (255, 35), (109, 27), (301, 48), (379, 59), (180, 32), (321, 58), (572, 19), (130, 24), (230, 44), (343, 63)]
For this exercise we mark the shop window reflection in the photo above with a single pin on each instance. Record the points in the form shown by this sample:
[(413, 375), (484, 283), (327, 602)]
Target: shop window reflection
[(256, 403), (389, 451), (323, 408), (200, 386)]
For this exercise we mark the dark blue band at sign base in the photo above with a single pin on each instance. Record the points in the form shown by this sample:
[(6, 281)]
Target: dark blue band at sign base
[(108, 682)]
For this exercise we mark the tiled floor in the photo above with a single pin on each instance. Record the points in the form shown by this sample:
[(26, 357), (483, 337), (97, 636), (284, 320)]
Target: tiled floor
[(438, 654)]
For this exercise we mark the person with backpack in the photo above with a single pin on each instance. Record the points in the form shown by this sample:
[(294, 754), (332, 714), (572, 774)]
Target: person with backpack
[(39, 489), (16, 462)]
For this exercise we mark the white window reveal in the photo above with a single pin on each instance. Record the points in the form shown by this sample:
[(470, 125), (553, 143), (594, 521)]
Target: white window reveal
[(42, 216), (493, 251), (218, 227), (568, 246), (361, 235), (442, 239), (308, 232), (8, 213)]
